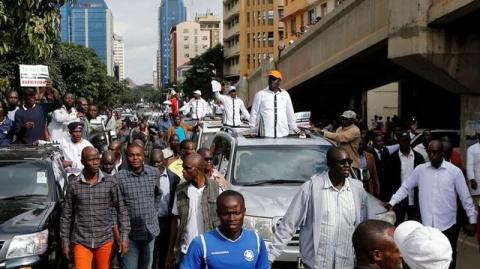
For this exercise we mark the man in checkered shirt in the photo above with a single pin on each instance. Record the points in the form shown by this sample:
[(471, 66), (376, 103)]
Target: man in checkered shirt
[(140, 188)]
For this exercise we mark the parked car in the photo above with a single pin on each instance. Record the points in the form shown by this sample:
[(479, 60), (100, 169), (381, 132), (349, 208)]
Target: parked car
[(269, 173), (31, 180)]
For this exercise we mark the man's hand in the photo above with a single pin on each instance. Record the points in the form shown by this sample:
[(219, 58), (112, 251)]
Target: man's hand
[(66, 252), (29, 124), (473, 184), (387, 206), (470, 229), (123, 248)]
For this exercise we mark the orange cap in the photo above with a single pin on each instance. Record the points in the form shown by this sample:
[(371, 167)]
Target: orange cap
[(276, 74)]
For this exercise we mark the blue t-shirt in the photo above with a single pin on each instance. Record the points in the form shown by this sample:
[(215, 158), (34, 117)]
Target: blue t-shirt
[(180, 133), (247, 252)]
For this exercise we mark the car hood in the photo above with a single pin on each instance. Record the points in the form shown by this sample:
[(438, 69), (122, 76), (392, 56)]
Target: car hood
[(23, 216), (267, 201)]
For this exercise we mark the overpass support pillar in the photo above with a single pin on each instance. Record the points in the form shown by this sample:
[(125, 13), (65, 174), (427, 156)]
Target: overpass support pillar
[(469, 113)]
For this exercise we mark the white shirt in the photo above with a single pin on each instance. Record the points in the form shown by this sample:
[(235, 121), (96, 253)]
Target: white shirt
[(60, 120), (73, 151), (195, 224), (165, 199), (233, 107), (420, 148), (335, 249), (437, 193), (473, 166), (407, 165), (270, 120), (199, 108), (11, 114), (111, 124)]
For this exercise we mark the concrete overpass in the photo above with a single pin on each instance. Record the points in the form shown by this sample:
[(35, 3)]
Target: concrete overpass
[(432, 46)]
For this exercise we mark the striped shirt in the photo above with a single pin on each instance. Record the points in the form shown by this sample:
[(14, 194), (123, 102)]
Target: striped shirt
[(88, 208), (335, 249), (142, 195)]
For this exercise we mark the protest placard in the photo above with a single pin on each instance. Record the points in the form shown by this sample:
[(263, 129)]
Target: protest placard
[(33, 75)]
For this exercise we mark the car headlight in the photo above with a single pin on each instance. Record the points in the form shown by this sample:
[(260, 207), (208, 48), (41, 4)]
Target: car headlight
[(28, 245), (263, 226)]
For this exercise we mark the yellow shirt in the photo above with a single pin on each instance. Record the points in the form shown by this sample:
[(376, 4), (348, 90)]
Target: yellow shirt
[(177, 168)]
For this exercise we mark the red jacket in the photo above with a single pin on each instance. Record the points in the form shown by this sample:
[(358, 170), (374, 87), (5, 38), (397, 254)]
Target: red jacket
[(174, 102)]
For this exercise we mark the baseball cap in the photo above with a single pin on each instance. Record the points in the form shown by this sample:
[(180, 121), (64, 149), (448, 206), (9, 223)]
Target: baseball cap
[(349, 114), (75, 126), (167, 153), (404, 136), (276, 74), (197, 92), (232, 88), (423, 247)]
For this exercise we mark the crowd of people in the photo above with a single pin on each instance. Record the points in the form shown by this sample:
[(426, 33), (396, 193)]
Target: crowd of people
[(151, 200)]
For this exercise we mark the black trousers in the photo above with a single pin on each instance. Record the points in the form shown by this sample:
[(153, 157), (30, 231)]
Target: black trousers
[(452, 234), (402, 210), (160, 249)]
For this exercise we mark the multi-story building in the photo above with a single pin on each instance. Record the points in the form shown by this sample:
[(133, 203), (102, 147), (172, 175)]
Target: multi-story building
[(251, 32), (187, 40), (119, 55), (210, 23), (89, 23), (302, 14), (170, 13)]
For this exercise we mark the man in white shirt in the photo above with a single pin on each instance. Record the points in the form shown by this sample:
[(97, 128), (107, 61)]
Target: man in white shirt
[(439, 182), (272, 112), (234, 108), (197, 106), (12, 103), (473, 169), (62, 117), (72, 147), (422, 147)]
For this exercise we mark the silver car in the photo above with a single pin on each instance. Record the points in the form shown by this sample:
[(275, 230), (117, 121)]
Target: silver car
[(269, 172)]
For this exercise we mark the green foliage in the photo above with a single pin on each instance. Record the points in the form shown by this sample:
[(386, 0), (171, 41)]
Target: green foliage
[(146, 92), (204, 67), (77, 69), (28, 31)]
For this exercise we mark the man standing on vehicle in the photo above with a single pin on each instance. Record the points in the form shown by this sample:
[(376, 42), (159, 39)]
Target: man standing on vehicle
[(233, 107), (193, 211), (72, 147), (89, 201), (140, 189), (240, 248), (326, 210), (347, 136), (272, 112), (197, 106)]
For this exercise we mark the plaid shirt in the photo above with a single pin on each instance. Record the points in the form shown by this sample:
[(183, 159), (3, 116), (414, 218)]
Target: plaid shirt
[(141, 194), (87, 217)]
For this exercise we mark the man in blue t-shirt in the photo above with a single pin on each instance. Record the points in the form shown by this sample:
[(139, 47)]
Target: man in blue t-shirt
[(229, 245)]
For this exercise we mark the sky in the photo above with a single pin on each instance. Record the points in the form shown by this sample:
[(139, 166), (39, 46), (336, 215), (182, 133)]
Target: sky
[(137, 22)]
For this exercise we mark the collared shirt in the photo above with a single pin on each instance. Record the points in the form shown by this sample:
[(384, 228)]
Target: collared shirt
[(88, 208), (438, 189), (36, 114), (141, 194), (11, 113), (473, 166), (164, 184), (60, 120), (198, 107), (406, 169), (73, 151), (234, 110), (335, 249), (420, 148), (272, 113), (177, 167)]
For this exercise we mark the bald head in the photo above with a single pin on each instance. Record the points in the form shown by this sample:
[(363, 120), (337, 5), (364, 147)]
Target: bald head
[(108, 161), (90, 160), (369, 236), (195, 160), (89, 151)]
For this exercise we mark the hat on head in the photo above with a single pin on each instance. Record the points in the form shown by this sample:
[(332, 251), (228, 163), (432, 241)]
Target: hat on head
[(404, 136), (167, 153), (276, 74), (75, 126), (423, 247), (349, 114), (232, 89), (197, 92)]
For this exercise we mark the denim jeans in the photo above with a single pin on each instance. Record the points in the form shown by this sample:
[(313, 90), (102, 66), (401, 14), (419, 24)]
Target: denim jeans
[(139, 255)]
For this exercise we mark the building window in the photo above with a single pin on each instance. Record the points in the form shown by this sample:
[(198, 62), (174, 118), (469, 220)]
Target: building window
[(270, 39), (187, 55), (186, 46), (323, 9), (185, 38), (312, 15), (293, 26), (248, 19), (205, 37), (248, 41), (185, 31), (259, 18), (270, 17)]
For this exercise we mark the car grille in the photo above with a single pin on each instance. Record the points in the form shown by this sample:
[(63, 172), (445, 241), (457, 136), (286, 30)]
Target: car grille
[(295, 239)]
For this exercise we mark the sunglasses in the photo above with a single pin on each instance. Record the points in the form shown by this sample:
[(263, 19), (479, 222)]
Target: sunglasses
[(208, 159), (188, 168), (345, 161)]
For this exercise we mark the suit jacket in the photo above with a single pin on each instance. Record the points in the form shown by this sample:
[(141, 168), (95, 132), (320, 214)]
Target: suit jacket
[(374, 185), (394, 168), (381, 165)]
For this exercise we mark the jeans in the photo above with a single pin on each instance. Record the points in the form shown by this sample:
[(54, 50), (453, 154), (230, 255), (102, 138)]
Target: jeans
[(139, 255)]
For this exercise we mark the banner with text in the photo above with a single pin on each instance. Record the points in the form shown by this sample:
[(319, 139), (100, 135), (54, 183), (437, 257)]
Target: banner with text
[(33, 75)]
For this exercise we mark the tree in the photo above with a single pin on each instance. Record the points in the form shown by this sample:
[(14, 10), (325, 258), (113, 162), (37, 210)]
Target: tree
[(28, 30), (204, 67)]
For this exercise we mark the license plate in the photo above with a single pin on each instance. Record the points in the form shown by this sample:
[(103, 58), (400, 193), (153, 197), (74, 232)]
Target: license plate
[(300, 263)]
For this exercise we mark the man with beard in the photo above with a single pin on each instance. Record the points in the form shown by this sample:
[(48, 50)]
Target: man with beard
[(72, 147), (12, 103), (62, 117), (241, 248)]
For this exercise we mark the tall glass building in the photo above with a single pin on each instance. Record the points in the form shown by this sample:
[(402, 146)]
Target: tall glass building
[(89, 23), (170, 13)]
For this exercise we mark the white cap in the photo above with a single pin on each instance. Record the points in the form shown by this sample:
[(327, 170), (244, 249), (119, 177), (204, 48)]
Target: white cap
[(423, 247), (349, 114), (232, 88), (167, 153), (197, 92)]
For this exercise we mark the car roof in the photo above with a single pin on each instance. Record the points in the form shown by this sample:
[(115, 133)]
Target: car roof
[(28, 152)]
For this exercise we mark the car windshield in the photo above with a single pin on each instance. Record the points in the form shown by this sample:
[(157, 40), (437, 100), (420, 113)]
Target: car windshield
[(278, 164), (26, 178), (207, 139)]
